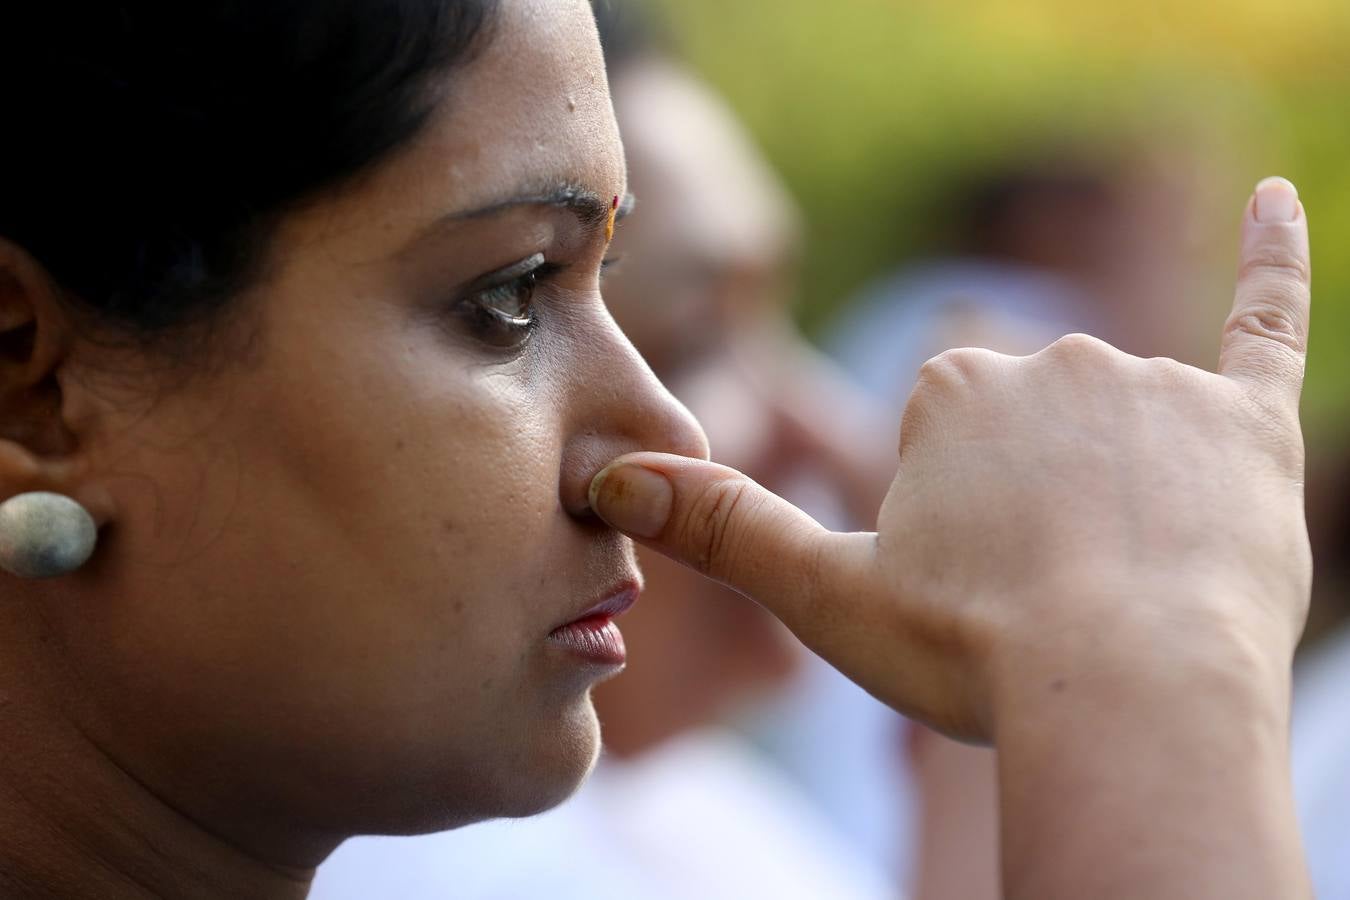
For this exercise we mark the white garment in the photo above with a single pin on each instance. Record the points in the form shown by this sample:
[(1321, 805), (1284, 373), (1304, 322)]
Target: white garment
[(846, 750), (700, 818), (1321, 762)]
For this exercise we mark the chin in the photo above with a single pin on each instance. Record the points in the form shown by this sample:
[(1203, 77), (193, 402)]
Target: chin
[(523, 769), (530, 770), (556, 763)]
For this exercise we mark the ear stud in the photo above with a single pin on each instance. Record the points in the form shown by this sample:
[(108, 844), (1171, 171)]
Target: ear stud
[(44, 535)]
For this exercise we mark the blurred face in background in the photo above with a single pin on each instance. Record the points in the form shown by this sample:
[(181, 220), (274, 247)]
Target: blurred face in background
[(1132, 223), (717, 236)]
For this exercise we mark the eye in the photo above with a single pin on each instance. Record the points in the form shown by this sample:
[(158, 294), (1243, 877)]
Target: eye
[(511, 302), (501, 305)]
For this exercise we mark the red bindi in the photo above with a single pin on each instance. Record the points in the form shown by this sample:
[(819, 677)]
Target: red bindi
[(613, 214)]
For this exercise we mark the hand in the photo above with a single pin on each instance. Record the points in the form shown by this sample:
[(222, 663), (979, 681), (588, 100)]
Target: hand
[(1079, 507)]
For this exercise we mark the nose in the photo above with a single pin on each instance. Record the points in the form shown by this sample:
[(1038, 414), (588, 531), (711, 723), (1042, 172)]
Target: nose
[(617, 406)]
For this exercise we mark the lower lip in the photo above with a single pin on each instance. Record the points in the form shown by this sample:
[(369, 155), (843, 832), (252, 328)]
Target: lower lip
[(596, 639)]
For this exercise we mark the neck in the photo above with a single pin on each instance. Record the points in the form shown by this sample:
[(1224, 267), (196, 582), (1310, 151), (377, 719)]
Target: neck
[(74, 824), (60, 838)]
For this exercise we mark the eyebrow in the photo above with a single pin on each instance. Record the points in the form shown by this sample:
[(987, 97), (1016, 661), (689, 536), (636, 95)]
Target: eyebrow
[(591, 209)]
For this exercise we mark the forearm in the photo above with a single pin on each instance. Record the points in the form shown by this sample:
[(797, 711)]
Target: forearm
[(1148, 775)]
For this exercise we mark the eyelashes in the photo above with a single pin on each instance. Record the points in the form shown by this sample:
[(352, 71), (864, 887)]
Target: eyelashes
[(510, 299), (501, 306)]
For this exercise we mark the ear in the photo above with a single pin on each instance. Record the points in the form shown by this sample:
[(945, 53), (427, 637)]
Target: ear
[(38, 451)]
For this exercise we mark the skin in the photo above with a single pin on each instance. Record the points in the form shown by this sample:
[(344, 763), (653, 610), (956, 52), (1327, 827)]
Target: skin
[(329, 567)]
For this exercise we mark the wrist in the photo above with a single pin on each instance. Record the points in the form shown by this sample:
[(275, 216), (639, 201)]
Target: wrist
[(1124, 654), (1169, 746)]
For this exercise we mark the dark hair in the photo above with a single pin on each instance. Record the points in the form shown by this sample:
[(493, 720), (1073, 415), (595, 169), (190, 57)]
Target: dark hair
[(149, 148)]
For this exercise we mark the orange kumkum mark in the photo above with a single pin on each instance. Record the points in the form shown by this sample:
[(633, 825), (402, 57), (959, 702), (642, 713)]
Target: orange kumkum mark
[(613, 213)]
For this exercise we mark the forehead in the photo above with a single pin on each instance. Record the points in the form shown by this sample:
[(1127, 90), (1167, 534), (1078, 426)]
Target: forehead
[(532, 108)]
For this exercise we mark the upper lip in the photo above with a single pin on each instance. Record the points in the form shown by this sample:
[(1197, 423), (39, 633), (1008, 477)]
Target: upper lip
[(615, 603)]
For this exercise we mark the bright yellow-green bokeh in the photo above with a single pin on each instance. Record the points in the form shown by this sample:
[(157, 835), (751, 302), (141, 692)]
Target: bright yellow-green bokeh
[(871, 109)]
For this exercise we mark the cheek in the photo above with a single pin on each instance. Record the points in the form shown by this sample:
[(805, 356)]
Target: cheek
[(395, 515), (343, 576), (439, 492)]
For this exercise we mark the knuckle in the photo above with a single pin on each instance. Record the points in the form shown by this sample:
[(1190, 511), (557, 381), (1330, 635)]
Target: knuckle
[(1170, 373), (974, 361), (712, 531), (934, 374), (1269, 321), (954, 368), (943, 369), (941, 383), (1078, 346)]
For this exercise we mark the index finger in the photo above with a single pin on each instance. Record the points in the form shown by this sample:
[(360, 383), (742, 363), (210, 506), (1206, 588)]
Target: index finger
[(1266, 337)]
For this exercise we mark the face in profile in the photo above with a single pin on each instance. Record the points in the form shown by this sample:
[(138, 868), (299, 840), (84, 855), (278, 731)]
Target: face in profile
[(325, 599)]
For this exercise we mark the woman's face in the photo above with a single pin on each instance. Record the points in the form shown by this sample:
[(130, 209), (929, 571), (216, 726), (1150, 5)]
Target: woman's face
[(325, 597)]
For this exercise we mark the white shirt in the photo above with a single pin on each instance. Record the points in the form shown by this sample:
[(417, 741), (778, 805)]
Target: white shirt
[(1321, 762)]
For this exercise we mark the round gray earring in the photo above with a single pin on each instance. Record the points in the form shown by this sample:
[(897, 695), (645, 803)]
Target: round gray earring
[(43, 535)]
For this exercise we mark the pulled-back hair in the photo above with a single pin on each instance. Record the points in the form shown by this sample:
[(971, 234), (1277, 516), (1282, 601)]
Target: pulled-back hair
[(149, 148)]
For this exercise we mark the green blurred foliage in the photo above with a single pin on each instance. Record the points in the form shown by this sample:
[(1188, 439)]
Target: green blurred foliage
[(873, 110)]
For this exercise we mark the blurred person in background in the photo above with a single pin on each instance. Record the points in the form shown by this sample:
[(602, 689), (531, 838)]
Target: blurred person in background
[(682, 804), (1320, 734)]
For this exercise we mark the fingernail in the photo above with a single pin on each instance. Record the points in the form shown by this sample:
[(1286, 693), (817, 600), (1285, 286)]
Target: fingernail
[(1276, 200), (633, 499)]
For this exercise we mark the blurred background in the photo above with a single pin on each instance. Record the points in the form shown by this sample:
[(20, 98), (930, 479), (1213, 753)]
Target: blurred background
[(878, 112), (829, 194)]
